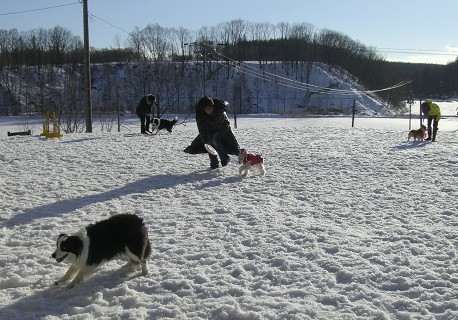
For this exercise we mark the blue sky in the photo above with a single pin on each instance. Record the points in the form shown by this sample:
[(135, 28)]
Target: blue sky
[(424, 31)]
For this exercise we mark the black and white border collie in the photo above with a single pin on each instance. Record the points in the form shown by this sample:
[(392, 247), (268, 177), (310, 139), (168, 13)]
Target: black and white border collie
[(119, 235), (160, 124)]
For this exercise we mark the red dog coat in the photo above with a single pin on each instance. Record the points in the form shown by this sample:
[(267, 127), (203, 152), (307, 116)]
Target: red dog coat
[(255, 159)]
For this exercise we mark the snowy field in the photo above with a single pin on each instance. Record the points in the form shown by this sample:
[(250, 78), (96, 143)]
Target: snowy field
[(348, 223)]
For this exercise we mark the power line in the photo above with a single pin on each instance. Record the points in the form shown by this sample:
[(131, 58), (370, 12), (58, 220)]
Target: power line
[(63, 5), (273, 78), (416, 51), (407, 49), (39, 9), (114, 26)]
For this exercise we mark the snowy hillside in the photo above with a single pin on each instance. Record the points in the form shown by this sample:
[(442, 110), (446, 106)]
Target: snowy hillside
[(348, 223), (272, 87)]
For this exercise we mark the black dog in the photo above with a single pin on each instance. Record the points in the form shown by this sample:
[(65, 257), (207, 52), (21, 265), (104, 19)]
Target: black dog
[(160, 124)]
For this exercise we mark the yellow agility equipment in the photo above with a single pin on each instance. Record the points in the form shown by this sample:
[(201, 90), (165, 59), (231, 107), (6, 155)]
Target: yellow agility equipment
[(55, 133)]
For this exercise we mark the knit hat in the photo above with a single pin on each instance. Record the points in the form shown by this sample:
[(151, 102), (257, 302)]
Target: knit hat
[(204, 102), (151, 98), (425, 108)]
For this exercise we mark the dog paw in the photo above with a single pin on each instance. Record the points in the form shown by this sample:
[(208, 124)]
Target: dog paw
[(72, 284), (144, 271)]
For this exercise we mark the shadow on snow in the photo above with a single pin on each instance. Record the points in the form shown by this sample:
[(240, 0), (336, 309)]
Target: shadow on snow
[(162, 181)]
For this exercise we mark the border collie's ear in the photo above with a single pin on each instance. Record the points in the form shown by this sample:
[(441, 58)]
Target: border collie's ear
[(61, 235)]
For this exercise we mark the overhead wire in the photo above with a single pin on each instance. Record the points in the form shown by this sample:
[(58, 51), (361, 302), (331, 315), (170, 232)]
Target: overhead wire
[(114, 26), (63, 5), (274, 78), (309, 87), (266, 76), (39, 9), (417, 51)]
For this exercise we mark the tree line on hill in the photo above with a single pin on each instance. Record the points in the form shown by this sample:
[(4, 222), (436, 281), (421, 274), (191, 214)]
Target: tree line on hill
[(237, 40)]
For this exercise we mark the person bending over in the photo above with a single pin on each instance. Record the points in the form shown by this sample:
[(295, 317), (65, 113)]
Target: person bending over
[(214, 129), (144, 110)]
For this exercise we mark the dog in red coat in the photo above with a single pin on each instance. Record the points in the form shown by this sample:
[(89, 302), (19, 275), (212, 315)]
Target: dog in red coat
[(248, 160)]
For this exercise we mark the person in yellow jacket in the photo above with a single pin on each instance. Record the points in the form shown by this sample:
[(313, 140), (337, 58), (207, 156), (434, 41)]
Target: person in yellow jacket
[(433, 112)]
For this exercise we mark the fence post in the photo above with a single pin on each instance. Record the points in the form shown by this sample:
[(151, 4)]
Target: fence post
[(410, 102), (353, 111)]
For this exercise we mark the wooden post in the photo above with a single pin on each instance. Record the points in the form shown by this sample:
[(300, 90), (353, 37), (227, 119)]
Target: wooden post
[(235, 117), (353, 111), (421, 114)]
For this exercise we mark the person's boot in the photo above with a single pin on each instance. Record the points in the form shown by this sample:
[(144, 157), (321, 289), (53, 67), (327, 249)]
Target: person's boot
[(214, 163), (434, 135), (225, 162), (429, 134)]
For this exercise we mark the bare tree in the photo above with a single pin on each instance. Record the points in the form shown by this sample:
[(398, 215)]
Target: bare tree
[(135, 42), (59, 41), (303, 31), (70, 103), (260, 31), (283, 30), (182, 36), (157, 41)]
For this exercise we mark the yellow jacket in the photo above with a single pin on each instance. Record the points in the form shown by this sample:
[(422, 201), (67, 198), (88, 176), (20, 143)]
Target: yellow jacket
[(434, 109)]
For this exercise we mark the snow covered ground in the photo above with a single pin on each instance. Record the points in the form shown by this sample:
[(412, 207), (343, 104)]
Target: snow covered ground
[(348, 223)]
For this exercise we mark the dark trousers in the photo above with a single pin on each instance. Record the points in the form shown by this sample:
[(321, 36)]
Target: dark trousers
[(217, 143), (144, 122), (432, 120)]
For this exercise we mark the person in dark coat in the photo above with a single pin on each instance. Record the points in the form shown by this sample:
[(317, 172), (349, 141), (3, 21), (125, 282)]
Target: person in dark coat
[(215, 129), (144, 110)]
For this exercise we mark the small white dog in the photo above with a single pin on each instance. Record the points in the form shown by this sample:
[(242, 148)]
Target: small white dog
[(248, 160)]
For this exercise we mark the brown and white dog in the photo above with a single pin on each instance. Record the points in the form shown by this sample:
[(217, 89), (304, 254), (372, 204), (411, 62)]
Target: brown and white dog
[(248, 160), (417, 134)]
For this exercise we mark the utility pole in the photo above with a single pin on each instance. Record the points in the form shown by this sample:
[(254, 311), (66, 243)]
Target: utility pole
[(87, 69)]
